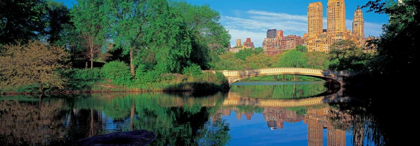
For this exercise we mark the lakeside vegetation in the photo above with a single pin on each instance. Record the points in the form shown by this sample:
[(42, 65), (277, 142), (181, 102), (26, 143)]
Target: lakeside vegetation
[(128, 45)]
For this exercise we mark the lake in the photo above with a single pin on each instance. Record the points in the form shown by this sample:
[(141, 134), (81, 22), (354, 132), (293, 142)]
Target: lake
[(251, 113)]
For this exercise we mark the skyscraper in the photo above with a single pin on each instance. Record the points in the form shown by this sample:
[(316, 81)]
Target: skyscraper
[(321, 41), (336, 17), (314, 19), (358, 27)]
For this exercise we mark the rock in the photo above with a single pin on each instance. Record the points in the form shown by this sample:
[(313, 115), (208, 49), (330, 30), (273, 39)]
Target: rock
[(131, 138)]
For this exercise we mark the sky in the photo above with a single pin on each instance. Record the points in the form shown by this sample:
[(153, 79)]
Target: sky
[(252, 18)]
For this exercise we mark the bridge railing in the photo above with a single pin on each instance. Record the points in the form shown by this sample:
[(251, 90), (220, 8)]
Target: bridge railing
[(274, 71)]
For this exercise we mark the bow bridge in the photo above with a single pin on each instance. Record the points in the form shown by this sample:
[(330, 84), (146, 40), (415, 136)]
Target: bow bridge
[(237, 75)]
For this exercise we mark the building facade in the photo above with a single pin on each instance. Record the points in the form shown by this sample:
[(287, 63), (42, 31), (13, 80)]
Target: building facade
[(315, 17), (248, 44), (358, 27), (321, 41), (271, 33), (279, 43)]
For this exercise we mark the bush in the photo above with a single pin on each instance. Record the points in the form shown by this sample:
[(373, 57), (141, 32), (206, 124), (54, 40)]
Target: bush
[(85, 74), (221, 78), (118, 72), (192, 70), (147, 77)]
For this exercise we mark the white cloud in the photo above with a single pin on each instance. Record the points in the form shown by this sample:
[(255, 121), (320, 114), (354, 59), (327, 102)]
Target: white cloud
[(279, 15), (256, 23)]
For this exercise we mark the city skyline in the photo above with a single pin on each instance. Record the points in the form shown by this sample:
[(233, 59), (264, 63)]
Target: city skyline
[(251, 19)]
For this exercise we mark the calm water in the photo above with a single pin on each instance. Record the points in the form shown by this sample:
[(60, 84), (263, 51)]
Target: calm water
[(282, 113)]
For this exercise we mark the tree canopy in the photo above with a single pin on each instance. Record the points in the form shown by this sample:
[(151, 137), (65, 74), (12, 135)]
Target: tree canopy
[(21, 20)]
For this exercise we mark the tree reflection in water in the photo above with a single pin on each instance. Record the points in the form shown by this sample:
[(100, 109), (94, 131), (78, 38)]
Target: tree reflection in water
[(175, 119)]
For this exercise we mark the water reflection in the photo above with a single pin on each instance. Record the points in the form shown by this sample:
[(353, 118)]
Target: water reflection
[(179, 119)]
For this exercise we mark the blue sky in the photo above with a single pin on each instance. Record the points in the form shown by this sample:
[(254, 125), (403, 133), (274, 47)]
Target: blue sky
[(252, 18)]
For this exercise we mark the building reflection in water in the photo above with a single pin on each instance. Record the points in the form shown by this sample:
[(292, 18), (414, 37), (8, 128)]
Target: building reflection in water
[(317, 120)]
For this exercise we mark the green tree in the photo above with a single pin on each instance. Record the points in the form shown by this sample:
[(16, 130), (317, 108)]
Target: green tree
[(398, 46), (57, 17), (344, 55), (166, 34), (32, 63), (21, 20), (317, 60), (293, 58), (243, 54), (256, 61), (208, 36), (127, 19), (89, 19), (301, 48)]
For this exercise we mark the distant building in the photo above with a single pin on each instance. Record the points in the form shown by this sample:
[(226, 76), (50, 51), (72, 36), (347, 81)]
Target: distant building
[(315, 17), (237, 48), (358, 27), (271, 33), (279, 43), (238, 42), (248, 44), (368, 47)]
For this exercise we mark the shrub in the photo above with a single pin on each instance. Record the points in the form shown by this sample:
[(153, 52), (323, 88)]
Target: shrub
[(118, 72), (221, 78), (86, 74), (192, 70), (148, 77)]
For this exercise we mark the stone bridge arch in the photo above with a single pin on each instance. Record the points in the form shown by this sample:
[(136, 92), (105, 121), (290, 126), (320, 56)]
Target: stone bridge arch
[(237, 75)]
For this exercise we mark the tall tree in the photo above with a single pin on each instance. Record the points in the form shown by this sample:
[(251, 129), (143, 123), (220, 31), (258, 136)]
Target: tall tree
[(398, 47), (57, 17), (208, 36), (89, 18), (167, 35), (127, 21), (21, 20)]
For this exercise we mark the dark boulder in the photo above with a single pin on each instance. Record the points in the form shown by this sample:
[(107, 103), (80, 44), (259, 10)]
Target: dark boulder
[(131, 138)]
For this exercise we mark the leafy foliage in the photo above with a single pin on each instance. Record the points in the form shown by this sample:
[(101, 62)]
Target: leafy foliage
[(89, 20), (344, 55), (208, 36), (84, 73), (242, 54), (192, 70), (21, 20), (57, 17), (302, 48), (118, 72), (293, 58), (398, 47), (32, 63)]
